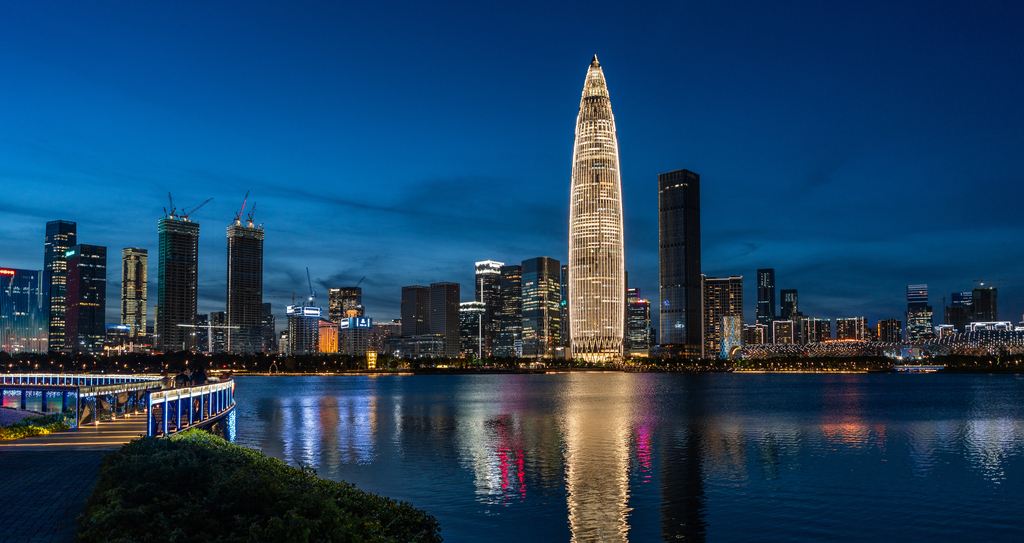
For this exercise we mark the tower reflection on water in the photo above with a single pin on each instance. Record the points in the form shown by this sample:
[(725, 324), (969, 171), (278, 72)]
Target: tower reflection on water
[(619, 457)]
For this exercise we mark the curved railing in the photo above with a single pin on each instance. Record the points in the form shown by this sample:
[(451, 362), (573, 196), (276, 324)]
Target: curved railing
[(92, 397), (175, 410), (72, 379)]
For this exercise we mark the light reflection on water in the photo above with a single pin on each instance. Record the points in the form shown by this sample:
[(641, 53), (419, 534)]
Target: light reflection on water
[(646, 457)]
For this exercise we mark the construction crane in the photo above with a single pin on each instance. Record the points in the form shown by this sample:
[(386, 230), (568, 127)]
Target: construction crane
[(360, 282), (293, 296), (184, 212), (312, 291), (238, 214)]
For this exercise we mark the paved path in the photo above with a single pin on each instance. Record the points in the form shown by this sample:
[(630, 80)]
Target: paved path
[(103, 437), (42, 493), (45, 480)]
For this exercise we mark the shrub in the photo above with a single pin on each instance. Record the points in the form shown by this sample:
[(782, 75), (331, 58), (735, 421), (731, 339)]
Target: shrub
[(37, 426), (198, 487)]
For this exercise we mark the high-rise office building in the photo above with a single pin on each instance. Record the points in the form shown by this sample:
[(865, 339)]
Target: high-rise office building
[(890, 331), (682, 323), (24, 310), (328, 340), (960, 311), (789, 307), (201, 333), (355, 335), (756, 334), (177, 283), (852, 328), (415, 310), (345, 302), (983, 304), (565, 308), (444, 315), (765, 295), (818, 330), (134, 289), (541, 293), (85, 328), (597, 283), (245, 286), (381, 331), (638, 323), (782, 331), (723, 297), (919, 313), (60, 237), (219, 332), (269, 326), (488, 292), (471, 329), (510, 339), (303, 334), (730, 337)]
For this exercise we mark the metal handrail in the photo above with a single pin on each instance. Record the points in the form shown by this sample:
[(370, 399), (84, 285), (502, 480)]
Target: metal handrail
[(166, 412), (73, 379)]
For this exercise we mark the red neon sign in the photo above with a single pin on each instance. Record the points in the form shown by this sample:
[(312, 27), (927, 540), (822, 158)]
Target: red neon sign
[(6, 272)]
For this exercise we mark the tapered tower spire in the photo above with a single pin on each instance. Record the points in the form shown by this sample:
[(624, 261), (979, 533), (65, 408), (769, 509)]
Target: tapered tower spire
[(597, 288)]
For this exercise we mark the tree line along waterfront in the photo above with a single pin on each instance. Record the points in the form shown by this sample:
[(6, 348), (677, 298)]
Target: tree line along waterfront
[(340, 363)]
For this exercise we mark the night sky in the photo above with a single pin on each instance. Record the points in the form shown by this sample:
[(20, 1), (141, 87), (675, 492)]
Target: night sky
[(855, 149)]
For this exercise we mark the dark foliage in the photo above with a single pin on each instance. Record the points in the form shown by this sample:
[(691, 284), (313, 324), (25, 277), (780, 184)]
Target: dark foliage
[(198, 487)]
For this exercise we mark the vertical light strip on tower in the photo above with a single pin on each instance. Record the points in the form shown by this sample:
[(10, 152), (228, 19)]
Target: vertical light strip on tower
[(597, 285)]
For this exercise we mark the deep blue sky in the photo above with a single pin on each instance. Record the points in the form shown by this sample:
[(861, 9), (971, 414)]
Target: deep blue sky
[(854, 148)]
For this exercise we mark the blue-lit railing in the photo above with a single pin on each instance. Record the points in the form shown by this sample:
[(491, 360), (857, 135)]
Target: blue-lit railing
[(175, 410), (72, 379)]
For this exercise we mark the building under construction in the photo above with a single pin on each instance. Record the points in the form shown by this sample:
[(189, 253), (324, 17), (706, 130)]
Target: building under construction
[(245, 284), (178, 279)]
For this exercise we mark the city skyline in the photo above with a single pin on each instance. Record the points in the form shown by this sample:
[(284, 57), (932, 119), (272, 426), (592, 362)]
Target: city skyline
[(827, 152)]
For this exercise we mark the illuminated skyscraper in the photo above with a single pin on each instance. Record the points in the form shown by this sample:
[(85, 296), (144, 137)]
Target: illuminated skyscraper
[(597, 283), (345, 302), (789, 304), (444, 315), (60, 236), (488, 282), (510, 331), (723, 297), (24, 310), (679, 263), (133, 290), (245, 286), (919, 313)]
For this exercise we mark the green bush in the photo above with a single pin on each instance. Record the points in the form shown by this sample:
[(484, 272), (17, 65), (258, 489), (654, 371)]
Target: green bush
[(198, 487), (37, 426)]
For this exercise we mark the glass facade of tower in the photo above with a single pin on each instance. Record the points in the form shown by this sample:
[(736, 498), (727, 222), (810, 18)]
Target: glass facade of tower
[(919, 314), (177, 283), (85, 328), (134, 288), (245, 288), (444, 315), (488, 292), (765, 296), (60, 236), (415, 310), (789, 306), (541, 291), (681, 325), (24, 310), (597, 283), (344, 303), (510, 338), (471, 328)]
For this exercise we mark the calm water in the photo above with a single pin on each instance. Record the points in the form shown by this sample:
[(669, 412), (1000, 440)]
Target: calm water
[(649, 457)]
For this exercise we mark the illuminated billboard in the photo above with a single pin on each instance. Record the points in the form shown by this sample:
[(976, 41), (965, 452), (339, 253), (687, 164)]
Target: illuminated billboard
[(362, 323), (303, 311)]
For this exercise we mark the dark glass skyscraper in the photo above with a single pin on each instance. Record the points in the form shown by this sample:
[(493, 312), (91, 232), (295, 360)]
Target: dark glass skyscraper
[(177, 283), (85, 328), (60, 237), (269, 335), (245, 287), (983, 304), (444, 315), (765, 296), (679, 262), (24, 310), (566, 342), (789, 306), (344, 303), (511, 328), (541, 292), (415, 310)]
